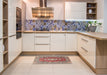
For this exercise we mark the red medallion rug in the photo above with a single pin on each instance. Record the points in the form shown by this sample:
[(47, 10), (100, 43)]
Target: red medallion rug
[(52, 60)]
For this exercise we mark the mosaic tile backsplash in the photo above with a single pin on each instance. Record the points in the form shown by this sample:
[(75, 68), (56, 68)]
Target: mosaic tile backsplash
[(48, 25)]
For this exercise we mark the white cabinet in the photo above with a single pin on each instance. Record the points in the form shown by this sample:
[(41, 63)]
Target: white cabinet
[(12, 49), (19, 45), (1, 5), (71, 42), (87, 48), (58, 41), (75, 10), (1, 56), (42, 42), (28, 42), (12, 17), (92, 52)]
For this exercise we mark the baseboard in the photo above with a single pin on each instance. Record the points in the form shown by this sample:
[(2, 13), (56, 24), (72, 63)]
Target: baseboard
[(10, 64), (91, 67), (48, 52), (101, 71)]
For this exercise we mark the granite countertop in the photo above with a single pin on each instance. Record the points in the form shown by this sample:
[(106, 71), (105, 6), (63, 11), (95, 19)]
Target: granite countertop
[(96, 35)]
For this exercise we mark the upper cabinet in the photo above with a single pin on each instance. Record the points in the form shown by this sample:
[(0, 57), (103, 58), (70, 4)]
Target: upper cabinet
[(75, 10), (91, 10), (12, 17)]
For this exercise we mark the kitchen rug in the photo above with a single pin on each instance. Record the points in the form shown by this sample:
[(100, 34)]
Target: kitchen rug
[(52, 60)]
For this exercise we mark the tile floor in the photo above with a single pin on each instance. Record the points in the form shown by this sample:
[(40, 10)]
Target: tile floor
[(24, 66)]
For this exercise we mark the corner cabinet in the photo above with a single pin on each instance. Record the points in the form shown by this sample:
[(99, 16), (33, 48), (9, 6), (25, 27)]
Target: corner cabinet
[(1, 56), (28, 42), (58, 41), (87, 49)]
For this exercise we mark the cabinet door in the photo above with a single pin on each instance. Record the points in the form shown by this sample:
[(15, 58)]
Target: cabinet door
[(71, 42), (12, 49), (92, 52), (1, 56), (58, 42), (19, 45), (12, 17), (1, 19), (75, 10), (28, 42)]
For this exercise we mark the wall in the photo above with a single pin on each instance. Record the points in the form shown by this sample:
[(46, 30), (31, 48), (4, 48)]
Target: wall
[(100, 13), (100, 9), (58, 6), (29, 5), (81, 0), (105, 16), (23, 14)]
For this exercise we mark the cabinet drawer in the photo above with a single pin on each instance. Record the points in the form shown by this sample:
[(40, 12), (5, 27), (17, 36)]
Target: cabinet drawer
[(85, 42), (42, 40), (42, 34), (84, 51), (41, 47)]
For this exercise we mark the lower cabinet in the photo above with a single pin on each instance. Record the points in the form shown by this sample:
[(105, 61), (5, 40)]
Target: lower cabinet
[(12, 49), (42, 42), (49, 42), (71, 42), (87, 49), (58, 41), (19, 45), (28, 42), (1, 56)]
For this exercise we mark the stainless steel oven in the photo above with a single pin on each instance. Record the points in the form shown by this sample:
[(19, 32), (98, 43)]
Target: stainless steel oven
[(18, 23)]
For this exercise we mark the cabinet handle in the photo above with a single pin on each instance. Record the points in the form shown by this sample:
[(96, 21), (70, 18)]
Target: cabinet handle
[(42, 36), (84, 40), (84, 49), (12, 35), (42, 44)]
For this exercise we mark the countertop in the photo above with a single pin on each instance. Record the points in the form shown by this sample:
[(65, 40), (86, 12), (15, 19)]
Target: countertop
[(96, 35)]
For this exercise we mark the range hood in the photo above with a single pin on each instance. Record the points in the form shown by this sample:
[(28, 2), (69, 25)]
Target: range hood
[(42, 12)]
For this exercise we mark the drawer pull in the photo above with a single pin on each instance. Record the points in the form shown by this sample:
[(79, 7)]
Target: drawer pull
[(12, 35), (42, 36), (84, 49), (84, 40), (42, 44)]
